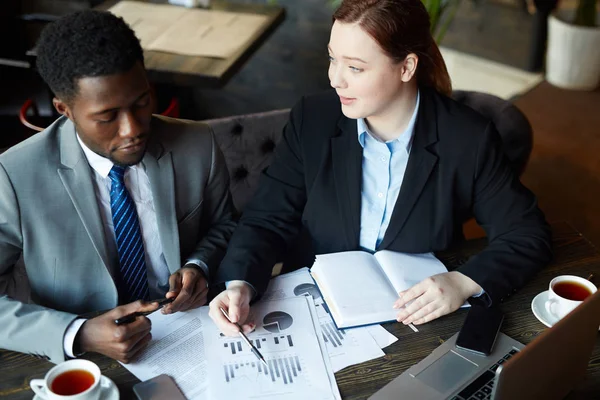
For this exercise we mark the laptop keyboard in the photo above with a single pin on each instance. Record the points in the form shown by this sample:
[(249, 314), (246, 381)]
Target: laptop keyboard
[(481, 388)]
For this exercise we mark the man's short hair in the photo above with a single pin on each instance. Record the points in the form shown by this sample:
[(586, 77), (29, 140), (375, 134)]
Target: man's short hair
[(85, 44)]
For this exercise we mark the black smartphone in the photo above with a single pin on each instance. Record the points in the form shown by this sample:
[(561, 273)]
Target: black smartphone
[(160, 387), (480, 329)]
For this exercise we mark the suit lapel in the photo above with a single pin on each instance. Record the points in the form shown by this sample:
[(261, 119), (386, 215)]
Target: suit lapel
[(420, 164), (159, 168), (76, 176), (347, 170)]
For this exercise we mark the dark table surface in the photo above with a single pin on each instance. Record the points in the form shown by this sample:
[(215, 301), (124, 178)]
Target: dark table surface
[(209, 72), (574, 255)]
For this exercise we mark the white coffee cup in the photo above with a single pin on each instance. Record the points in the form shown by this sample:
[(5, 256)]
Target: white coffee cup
[(558, 306), (42, 387)]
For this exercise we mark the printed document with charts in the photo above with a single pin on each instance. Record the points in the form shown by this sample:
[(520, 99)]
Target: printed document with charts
[(360, 288), (344, 346), (207, 365)]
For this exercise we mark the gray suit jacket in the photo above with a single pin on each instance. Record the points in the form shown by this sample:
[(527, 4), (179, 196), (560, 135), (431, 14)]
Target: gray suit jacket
[(49, 215)]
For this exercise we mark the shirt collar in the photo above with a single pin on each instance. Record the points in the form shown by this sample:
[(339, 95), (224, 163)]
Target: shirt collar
[(101, 165), (404, 140)]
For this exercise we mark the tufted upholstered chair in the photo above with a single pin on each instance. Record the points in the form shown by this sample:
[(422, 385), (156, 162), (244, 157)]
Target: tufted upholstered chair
[(247, 142)]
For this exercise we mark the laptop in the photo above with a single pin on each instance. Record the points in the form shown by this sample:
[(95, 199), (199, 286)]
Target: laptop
[(556, 361)]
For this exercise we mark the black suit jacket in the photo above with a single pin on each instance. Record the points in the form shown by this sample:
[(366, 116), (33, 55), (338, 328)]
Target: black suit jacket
[(456, 169)]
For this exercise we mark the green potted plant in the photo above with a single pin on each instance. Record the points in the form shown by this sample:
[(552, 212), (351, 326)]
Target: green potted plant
[(441, 14), (573, 53)]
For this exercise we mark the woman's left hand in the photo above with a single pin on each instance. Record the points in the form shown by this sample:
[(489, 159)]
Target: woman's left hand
[(435, 296)]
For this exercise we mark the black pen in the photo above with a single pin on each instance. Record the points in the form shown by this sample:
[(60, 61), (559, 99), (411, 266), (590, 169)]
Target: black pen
[(248, 342), (129, 318)]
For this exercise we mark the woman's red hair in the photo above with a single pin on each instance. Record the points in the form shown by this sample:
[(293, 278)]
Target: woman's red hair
[(400, 27)]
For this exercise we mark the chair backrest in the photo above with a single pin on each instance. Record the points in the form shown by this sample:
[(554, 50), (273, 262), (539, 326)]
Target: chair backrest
[(247, 142), (514, 128)]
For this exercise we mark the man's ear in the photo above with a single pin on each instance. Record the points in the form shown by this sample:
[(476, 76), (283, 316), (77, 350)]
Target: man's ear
[(62, 108)]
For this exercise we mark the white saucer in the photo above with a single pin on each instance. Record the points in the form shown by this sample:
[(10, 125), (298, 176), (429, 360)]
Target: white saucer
[(108, 393), (538, 306)]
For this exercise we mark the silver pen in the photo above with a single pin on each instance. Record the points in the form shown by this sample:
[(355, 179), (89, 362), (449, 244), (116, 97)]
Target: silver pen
[(248, 342)]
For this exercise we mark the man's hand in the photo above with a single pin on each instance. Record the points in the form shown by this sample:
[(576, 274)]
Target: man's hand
[(190, 289), (123, 342), (236, 301), (434, 297)]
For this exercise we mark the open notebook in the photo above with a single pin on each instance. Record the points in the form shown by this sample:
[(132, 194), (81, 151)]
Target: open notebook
[(360, 288)]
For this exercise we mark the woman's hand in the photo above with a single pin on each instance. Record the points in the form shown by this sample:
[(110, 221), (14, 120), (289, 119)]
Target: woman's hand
[(434, 297), (236, 302)]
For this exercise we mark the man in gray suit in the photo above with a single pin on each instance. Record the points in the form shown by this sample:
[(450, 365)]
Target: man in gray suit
[(110, 207)]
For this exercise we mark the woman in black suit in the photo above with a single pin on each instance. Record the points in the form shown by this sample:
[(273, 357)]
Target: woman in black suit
[(387, 160)]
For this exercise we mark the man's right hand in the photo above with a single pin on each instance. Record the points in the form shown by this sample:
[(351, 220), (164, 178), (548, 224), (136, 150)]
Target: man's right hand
[(119, 342), (236, 301)]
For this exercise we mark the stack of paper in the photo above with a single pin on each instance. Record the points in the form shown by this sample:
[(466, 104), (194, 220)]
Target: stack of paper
[(208, 365), (294, 333), (345, 346)]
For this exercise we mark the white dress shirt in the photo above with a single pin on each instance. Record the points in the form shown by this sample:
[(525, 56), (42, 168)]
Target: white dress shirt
[(138, 186), (383, 166)]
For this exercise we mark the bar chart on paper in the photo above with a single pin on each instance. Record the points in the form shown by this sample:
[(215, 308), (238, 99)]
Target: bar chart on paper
[(335, 339), (243, 371), (285, 370), (346, 346), (272, 342), (274, 339), (331, 335)]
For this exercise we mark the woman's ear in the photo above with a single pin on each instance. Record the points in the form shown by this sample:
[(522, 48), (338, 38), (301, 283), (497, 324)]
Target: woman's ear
[(409, 67)]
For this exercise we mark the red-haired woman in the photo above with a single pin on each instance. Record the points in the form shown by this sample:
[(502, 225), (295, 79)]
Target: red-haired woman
[(386, 160)]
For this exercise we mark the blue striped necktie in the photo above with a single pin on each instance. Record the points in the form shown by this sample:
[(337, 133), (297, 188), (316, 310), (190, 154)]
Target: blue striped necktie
[(134, 282)]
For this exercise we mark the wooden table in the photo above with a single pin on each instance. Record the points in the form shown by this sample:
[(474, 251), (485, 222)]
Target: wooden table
[(564, 159), (207, 72), (573, 255)]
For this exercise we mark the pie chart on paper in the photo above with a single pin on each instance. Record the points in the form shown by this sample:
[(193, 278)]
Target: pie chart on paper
[(305, 289), (277, 321)]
